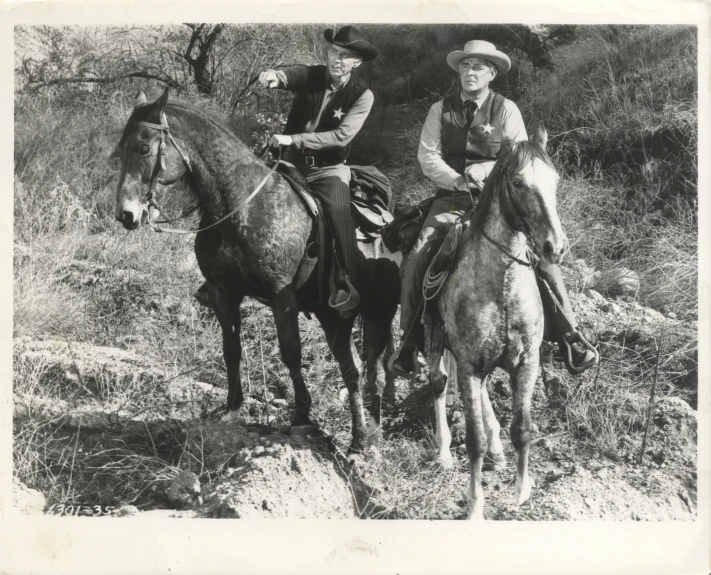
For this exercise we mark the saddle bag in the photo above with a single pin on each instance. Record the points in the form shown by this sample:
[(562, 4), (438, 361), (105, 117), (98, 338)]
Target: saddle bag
[(401, 234)]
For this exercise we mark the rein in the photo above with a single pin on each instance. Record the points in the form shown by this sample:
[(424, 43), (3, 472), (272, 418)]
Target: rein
[(526, 230), (528, 264), (160, 165)]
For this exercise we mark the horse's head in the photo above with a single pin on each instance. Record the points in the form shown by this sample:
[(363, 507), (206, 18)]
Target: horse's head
[(149, 156), (530, 198)]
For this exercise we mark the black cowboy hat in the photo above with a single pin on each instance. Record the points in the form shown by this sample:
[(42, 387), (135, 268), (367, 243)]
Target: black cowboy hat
[(350, 37)]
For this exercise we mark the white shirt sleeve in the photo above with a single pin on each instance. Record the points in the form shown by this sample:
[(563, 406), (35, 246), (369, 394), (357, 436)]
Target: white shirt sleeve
[(429, 153)]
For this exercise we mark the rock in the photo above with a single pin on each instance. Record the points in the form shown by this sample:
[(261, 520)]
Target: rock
[(596, 297), (652, 314), (578, 276), (283, 482), (611, 307), (184, 489), (619, 281), (553, 475), (611, 454), (671, 315), (25, 500), (79, 371)]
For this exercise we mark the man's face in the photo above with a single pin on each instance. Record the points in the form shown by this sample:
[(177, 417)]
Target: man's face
[(475, 74), (341, 61)]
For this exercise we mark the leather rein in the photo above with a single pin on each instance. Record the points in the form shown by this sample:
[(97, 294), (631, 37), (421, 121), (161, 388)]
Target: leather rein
[(159, 166)]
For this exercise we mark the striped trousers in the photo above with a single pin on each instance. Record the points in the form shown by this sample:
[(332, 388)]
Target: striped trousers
[(331, 185)]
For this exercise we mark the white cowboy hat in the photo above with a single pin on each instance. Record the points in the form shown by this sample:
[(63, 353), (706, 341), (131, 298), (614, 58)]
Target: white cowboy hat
[(480, 49)]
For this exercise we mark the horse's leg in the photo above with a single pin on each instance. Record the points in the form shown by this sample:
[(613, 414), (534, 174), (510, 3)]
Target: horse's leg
[(438, 381), (377, 338), (495, 459), (338, 336), (470, 384), (286, 316), (227, 312), (523, 381)]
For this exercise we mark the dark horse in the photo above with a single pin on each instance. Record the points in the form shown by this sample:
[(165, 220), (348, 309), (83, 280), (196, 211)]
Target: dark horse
[(256, 251)]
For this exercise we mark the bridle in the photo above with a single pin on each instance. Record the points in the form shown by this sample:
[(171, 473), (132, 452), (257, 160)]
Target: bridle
[(159, 166), (526, 230)]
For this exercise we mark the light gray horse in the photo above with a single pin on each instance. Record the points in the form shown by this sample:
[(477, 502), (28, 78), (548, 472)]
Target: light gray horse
[(489, 312)]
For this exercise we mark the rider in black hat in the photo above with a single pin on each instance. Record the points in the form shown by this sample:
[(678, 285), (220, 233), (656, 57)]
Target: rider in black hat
[(328, 110)]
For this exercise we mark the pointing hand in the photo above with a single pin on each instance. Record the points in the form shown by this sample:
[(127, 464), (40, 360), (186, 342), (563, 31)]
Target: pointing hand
[(269, 79)]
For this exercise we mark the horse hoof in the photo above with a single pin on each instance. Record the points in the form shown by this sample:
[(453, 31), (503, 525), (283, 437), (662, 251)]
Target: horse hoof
[(445, 460), (523, 494), (476, 514), (497, 463)]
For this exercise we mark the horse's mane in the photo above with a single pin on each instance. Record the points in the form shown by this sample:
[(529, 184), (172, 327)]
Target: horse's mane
[(514, 157), (186, 113)]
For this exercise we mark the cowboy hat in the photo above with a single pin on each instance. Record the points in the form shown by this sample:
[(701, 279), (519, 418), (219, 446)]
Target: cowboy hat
[(349, 37), (480, 49)]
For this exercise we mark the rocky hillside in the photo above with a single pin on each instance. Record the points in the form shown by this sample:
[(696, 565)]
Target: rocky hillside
[(112, 426)]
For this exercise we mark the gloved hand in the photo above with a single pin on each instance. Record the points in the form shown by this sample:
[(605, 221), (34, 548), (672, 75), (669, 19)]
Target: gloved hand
[(278, 140), (269, 79)]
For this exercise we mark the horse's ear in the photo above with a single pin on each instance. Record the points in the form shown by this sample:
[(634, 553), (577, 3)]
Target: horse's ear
[(140, 99), (162, 102), (541, 136)]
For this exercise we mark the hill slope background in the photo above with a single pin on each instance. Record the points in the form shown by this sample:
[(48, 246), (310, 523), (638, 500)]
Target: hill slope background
[(620, 104)]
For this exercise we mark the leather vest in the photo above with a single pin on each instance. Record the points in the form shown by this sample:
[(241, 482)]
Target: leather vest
[(312, 83), (462, 144)]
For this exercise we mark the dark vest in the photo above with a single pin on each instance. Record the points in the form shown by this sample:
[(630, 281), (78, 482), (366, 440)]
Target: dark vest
[(464, 145), (310, 85)]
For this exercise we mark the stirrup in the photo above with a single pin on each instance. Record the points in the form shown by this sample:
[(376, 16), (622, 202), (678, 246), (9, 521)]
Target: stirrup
[(570, 338), (399, 372), (348, 305)]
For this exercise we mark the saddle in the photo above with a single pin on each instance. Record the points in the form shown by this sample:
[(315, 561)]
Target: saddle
[(370, 190)]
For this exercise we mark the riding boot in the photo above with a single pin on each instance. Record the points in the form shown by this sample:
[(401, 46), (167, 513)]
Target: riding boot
[(576, 356), (414, 268)]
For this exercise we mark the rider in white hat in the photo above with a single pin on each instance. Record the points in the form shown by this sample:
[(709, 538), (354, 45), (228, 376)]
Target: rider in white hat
[(459, 144)]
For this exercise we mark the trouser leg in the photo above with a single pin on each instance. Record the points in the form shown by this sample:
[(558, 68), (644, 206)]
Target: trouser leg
[(413, 274), (335, 196)]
